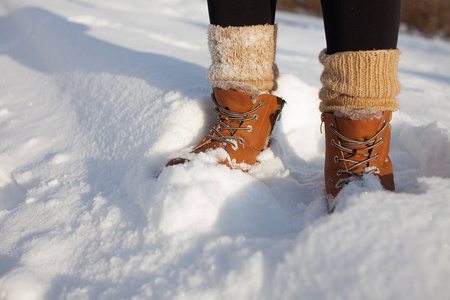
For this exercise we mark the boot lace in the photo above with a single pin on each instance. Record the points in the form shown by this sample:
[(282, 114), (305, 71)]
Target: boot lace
[(231, 116), (346, 146)]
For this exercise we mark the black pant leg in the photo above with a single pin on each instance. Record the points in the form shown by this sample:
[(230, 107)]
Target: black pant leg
[(241, 12), (352, 25)]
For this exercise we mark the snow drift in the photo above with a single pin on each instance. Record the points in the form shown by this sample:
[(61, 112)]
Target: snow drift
[(92, 98)]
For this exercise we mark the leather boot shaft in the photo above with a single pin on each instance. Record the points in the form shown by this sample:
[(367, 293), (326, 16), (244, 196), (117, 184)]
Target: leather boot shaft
[(357, 147)]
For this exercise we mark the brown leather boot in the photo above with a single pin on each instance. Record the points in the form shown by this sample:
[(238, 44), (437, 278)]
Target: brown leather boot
[(354, 148), (243, 127)]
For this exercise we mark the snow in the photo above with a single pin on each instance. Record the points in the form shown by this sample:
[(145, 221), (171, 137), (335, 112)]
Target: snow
[(96, 96)]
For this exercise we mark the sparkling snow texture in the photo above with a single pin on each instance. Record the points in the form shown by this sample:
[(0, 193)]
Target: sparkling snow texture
[(96, 96)]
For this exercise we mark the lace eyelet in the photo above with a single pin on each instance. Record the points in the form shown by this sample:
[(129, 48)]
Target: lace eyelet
[(241, 141), (338, 173), (376, 154), (255, 117), (336, 159), (249, 128)]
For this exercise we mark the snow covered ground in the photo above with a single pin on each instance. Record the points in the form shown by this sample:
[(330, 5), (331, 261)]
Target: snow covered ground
[(95, 96)]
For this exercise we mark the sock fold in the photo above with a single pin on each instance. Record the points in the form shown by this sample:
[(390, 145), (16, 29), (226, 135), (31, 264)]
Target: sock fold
[(243, 56), (359, 79)]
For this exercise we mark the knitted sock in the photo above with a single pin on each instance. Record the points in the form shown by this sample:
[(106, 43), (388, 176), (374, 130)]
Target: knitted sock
[(243, 58), (357, 80)]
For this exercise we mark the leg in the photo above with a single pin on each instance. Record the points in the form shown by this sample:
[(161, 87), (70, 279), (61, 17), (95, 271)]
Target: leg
[(242, 73), (241, 12), (353, 25), (359, 88)]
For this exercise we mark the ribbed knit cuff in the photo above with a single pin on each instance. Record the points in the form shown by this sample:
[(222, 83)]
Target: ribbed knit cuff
[(243, 54), (359, 79)]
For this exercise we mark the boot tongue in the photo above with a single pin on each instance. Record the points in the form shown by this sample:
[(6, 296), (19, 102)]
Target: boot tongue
[(358, 130), (232, 100)]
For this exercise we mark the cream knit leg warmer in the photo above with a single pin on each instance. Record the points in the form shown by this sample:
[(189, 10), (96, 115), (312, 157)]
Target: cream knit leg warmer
[(359, 80), (243, 58)]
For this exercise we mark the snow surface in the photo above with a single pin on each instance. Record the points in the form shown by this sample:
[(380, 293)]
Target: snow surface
[(96, 96)]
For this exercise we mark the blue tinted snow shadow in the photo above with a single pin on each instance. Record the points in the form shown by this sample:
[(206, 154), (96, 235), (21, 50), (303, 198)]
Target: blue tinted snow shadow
[(48, 43)]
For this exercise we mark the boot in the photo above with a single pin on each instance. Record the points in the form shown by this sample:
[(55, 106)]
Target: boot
[(354, 148), (243, 127), (357, 99)]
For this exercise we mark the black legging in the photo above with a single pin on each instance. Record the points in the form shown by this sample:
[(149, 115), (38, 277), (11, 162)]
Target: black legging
[(350, 25), (241, 12)]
